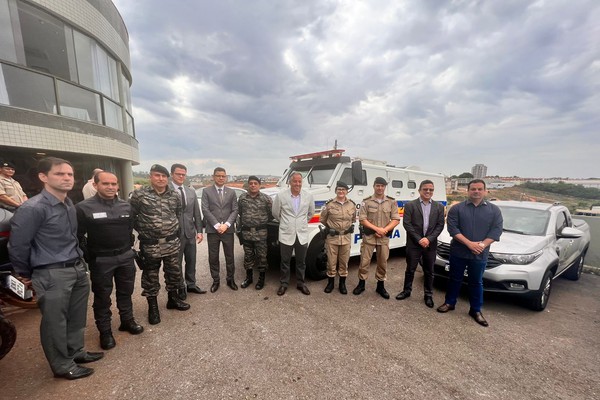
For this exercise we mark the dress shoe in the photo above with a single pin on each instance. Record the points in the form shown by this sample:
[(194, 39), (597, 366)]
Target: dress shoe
[(132, 327), (176, 303), (195, 289), (444, 308), (381, 290), (214, 287), (360, 287), (107, 341), (429, 301), (304, 290), (281, 291), (403, 295), (478, 317), (182, 293), (232, 285), (75, 373), (88, 357)]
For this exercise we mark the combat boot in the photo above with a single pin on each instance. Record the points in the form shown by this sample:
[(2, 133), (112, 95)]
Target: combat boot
[(381, 290), (360, 287), (175, 302), (261, 280), (342, 287), (248, 279), (329, 287), (153, 314)]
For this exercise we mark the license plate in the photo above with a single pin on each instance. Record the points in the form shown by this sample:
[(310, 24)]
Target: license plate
[(18, 287), (447, 269)]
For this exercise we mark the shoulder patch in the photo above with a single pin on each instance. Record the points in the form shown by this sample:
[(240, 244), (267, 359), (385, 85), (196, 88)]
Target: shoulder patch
[(390, 197), (329, 201), (367, 198)]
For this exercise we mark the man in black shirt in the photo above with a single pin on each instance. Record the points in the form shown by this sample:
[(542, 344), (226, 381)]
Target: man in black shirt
[(108, 223), (44, 248)]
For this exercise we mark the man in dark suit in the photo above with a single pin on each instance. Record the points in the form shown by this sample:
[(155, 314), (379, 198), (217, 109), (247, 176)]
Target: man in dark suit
[(220, 209), (423, 222), (190, 225)]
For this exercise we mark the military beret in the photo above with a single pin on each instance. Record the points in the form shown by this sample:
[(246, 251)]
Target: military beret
[(341, 184), (253, 178), (380, 181), (159, 168), (7, 164)]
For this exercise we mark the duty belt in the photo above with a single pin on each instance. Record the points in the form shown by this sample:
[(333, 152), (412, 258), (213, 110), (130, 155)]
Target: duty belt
[(333, 232), (108, 253), (253, 228), (159, 240)]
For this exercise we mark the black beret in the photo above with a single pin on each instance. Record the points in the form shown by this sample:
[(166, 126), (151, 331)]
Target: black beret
[(341, 184), (7, 164), (253, 178), (159, 168), (380, 181)]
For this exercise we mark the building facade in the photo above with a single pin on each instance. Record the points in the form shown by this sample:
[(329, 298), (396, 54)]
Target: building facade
[(65, 76), (479, 171)]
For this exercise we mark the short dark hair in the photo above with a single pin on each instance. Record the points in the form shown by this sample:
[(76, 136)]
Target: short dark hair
[(97, 175), (219, 169), (475, 181), (174, 166), (425, 182), (45, 164)]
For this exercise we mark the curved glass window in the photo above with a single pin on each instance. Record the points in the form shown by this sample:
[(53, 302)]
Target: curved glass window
[(113, 116), (79, 103), (26, 89), (96, 69)]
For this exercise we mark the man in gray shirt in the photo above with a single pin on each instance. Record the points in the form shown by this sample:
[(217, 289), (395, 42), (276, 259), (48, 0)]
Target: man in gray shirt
[(44, 250)]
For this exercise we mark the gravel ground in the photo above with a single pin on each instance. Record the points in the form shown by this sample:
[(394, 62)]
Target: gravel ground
[(254, 344)]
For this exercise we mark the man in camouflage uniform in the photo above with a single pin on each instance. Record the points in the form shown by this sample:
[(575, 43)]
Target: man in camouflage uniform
[(378, 216), (156, 211), (254, 210), (338, 216)]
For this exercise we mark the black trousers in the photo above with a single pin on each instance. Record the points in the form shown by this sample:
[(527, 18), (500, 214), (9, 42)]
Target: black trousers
[(214, 244), (414, 254), (188, 253), (103, 271)]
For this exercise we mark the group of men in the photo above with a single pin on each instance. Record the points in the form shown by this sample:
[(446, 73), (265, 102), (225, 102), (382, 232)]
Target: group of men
[(55, 245)]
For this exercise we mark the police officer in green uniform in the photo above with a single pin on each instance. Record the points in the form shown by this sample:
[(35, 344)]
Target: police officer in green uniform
[(338, 216), (254, 209), (378, 216), (156, 211)]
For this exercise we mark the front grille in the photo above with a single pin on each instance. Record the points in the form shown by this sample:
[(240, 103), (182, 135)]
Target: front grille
[(443, 252)]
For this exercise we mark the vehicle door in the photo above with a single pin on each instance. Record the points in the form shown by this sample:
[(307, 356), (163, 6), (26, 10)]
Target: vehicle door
[(566, 248)]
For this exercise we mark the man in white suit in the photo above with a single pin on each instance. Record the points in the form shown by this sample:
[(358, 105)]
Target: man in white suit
[(293, 208), (190, 225), (220, 209)]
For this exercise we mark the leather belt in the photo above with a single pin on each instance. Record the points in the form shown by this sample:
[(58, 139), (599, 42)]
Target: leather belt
[(68, 264), (159, 240), (108, 253)]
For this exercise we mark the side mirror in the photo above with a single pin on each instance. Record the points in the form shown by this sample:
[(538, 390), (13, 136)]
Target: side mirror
[(570, 233), (357, 173)]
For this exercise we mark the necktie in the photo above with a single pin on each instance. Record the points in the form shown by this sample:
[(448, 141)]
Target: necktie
[(183, 204), (221, 195)]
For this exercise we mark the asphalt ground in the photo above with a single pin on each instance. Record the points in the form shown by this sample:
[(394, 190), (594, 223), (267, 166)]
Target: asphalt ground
[(257, 345)]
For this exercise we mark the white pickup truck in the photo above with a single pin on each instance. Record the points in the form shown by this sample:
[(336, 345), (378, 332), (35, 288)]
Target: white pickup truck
[(540, 242)]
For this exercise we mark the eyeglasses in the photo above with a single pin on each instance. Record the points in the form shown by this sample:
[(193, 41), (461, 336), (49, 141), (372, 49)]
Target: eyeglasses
[(427, 190), (179, 174)]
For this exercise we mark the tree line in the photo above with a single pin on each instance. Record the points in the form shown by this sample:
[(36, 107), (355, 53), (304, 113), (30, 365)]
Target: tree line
[(567, 189)]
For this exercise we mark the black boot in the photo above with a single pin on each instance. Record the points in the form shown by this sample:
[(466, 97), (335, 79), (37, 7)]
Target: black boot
[(153, 314), (381, 290), (182, 293), (261, 280), (329, 287), (360, 287), (342, 288), (248, 279), (176, 303)]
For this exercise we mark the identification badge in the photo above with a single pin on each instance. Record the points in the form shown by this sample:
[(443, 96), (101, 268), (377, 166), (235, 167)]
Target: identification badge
[(99, 215)]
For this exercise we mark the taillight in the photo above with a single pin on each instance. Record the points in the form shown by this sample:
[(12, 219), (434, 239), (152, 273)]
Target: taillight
[(5, 234)]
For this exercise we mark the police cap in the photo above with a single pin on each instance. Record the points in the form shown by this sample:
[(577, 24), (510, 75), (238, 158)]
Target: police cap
[(159, 168), (380, 181), (7, 164), (341, 184), (253, 178)]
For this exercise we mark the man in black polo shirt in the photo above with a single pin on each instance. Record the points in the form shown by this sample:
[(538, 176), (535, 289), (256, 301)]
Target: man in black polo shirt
[(108, 223), (44, 248)]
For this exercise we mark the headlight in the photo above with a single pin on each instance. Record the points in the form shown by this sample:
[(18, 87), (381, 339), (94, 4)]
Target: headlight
[(519, 259)]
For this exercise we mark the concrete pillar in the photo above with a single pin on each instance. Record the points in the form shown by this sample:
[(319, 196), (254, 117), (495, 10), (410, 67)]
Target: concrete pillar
[(126, 178)]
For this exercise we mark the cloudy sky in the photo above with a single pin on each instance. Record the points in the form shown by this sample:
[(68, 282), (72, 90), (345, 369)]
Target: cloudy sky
[(442, 85)]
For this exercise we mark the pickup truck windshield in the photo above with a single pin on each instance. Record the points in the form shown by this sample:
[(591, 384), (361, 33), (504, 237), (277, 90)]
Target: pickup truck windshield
[(315, 175), (525, 221)]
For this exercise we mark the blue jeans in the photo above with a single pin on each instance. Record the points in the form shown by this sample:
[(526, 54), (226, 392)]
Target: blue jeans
[(475, 270)]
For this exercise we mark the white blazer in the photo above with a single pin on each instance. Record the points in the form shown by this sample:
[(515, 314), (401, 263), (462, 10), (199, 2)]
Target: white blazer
[(292, 224)]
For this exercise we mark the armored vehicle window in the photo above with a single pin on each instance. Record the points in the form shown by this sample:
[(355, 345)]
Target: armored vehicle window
[(412, 185), (347, 177), (397, 184)]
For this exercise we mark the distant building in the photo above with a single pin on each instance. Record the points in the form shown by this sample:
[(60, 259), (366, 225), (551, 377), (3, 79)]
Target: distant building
[(64, 89), (479, 171)]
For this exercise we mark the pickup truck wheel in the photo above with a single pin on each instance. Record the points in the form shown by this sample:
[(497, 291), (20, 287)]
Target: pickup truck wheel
[(8, 335), (574, 271), (539, 301), (316, 259)]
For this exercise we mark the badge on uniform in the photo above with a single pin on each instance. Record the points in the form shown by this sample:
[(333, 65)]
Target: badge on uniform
[(99, 215)]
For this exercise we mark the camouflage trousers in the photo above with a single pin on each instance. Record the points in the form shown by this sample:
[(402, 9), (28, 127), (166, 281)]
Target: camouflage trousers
[(151, 279), (255, 255)]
